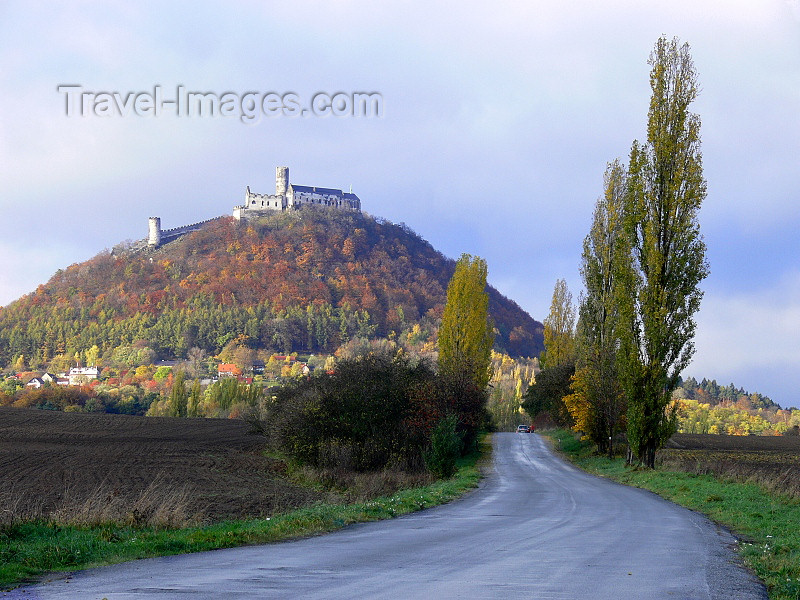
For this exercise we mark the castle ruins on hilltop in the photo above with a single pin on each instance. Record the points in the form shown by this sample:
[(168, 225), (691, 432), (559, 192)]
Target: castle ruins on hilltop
[(287, 196)]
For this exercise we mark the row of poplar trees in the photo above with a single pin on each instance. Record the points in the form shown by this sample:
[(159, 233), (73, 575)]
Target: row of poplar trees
[(642, 263)]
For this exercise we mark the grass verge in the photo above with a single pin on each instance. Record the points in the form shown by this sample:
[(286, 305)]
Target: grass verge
[(766, 522), (29, 549)]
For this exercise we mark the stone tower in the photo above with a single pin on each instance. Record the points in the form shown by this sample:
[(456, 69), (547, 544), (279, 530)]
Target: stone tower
[(154, 232), (281, 181)]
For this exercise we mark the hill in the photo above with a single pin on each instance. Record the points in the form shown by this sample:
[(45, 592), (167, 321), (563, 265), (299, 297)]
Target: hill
[(307, 280), (711, 393)]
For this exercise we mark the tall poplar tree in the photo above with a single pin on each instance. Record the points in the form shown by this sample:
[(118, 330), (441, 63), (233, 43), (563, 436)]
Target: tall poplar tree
[(178, 396), (552, 384), (466, 334), (597, 394), (665, 190), (559, 328)]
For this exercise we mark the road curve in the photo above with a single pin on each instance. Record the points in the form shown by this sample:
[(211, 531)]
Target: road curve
[(537, 528)]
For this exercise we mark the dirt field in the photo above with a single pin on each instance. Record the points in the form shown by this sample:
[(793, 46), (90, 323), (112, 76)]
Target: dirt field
[(773, 461), (50, 458), (739, 443)]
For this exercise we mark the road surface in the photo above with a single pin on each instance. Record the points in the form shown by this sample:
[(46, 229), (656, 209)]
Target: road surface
[(537, 528)]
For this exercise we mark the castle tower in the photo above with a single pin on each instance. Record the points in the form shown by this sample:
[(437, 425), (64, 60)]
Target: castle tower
[(154, 232), (281, 181)]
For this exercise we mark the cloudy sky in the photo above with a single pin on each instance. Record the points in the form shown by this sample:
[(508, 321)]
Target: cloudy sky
[(498, 120)]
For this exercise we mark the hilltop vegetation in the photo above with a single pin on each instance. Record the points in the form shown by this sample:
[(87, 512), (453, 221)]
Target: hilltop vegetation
[(710, 392), (707, 407), (303, 281)]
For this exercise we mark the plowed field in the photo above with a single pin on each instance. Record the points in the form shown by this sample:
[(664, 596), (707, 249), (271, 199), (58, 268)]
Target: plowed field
[(735, 443), (50, 457), (773, 461)]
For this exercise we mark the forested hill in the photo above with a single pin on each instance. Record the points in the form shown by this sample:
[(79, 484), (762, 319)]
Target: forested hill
[(307, 280)]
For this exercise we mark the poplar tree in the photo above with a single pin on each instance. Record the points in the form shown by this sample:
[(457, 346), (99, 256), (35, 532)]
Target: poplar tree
[(193, 402), (559, 329), (178, 396), (466, 334), (552, 384), (597, 393), (661, 284)]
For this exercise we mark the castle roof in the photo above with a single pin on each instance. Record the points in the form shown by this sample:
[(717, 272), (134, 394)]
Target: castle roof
[(316, 190)]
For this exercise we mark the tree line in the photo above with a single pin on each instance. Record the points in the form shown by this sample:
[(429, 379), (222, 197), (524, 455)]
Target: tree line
[(710, 392), (57, 330)]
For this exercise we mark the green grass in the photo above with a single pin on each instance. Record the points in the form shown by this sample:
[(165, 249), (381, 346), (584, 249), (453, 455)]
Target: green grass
[(28, 550), (767, 523)]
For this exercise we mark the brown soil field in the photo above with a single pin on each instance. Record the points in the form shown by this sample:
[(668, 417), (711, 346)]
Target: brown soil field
[(772, 461), (746, 443), (49, 459)]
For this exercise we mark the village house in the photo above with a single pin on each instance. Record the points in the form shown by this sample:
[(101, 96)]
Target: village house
[(82, 375), (35, 383), (228, 370)]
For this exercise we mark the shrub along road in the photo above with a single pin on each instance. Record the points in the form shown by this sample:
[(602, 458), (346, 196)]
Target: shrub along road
[(537, 528)]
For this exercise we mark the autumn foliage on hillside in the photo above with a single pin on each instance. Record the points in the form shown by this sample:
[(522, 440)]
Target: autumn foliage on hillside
[(308, 280)]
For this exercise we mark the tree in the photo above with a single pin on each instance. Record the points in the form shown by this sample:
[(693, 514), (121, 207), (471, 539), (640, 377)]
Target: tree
[(597, 402), (660, 288), (91, 356), (178, 397), (195, 397), (547, 393), (559, 339), (195, 362), (466, 334), (551, 386)]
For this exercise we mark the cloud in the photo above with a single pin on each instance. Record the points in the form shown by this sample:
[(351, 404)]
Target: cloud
[(741, 336)]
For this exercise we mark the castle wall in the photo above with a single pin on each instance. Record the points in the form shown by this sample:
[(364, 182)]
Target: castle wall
[(158, 237), (263, 201)]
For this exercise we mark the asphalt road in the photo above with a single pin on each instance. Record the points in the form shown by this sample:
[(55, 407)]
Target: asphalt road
[(537, 528)]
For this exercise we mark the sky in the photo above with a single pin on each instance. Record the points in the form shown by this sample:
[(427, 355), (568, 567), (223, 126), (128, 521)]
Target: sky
[(497, 122)]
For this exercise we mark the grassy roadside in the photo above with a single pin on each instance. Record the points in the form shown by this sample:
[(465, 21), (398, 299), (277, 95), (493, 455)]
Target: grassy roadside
[(767, 523), (31, 549)]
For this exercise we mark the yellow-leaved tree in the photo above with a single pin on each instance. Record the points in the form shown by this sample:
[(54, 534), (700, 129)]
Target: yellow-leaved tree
[(577, 402), (466, 335)]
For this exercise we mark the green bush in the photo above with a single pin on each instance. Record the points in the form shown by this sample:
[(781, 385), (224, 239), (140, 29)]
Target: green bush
[(358, 418), (376, 410), (445, 448)]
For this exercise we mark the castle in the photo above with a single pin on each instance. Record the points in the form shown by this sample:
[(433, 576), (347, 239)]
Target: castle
[(287, 197)]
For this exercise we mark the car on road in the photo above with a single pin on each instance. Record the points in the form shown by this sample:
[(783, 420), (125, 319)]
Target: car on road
[(523, 429)]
